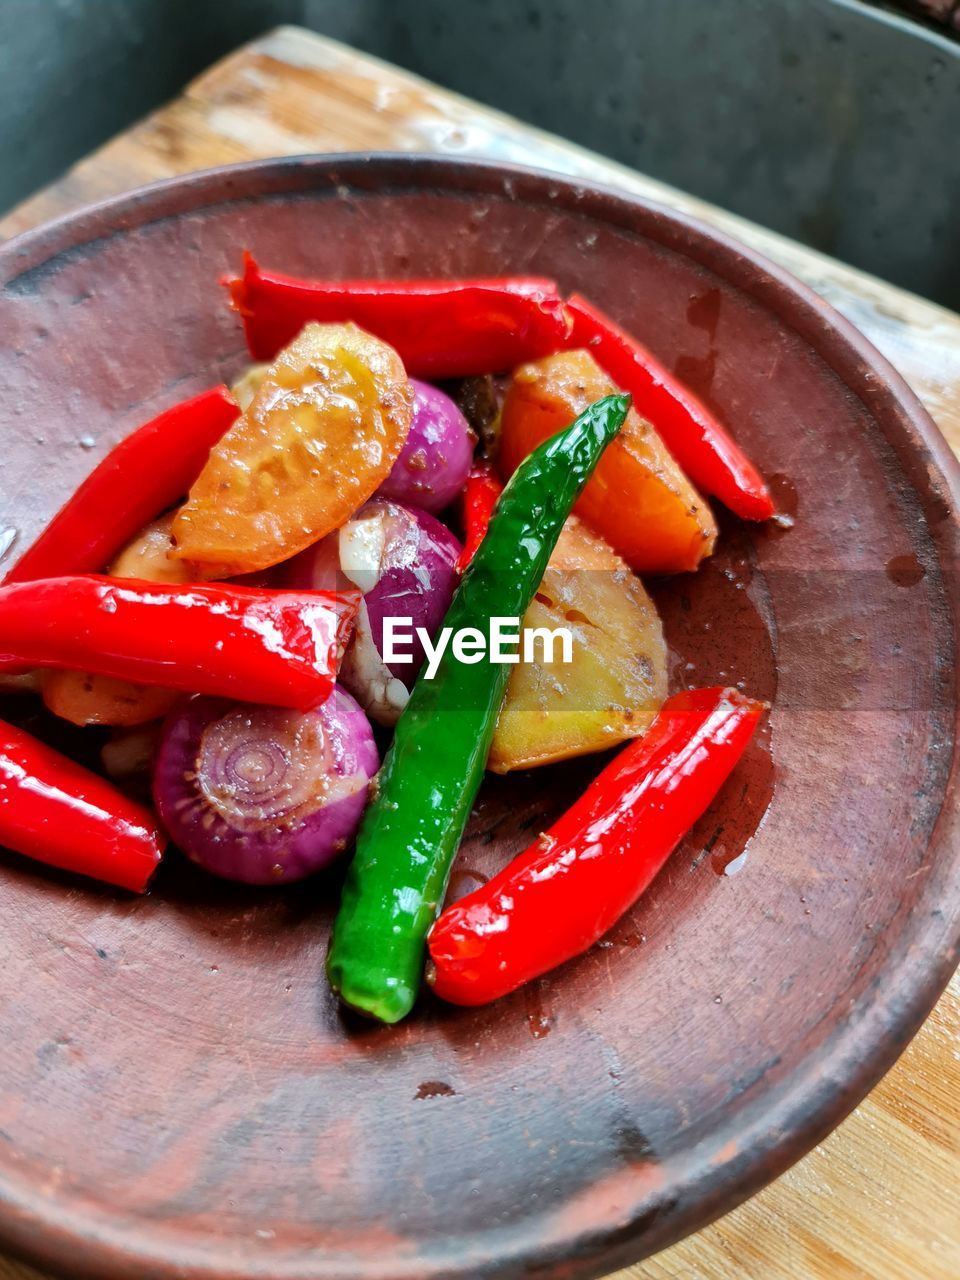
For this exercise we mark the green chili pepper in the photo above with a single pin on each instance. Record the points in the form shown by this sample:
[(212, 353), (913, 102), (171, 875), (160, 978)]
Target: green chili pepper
[(434, 767)]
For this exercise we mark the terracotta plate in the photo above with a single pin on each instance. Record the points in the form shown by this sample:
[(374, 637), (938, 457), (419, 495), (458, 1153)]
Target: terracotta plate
[(179, 1096)]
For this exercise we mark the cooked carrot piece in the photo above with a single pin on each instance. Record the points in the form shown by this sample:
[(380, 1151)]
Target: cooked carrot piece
[(638, 499), (322, 431)]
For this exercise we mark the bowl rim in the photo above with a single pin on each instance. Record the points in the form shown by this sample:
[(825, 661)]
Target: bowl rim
[(769, 1133)]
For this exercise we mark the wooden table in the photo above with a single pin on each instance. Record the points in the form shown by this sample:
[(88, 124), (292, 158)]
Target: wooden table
[(878, 1200)]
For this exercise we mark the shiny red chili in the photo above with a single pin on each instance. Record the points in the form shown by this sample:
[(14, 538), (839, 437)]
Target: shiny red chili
[(57, 812), (479, 497), (439, 328), (713, 462), (564, 892), (144, 475), (277, 647)]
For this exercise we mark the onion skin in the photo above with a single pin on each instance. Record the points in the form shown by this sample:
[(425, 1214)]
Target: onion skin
[(437, 454), (404, 560), (418, 580), (264, 795)]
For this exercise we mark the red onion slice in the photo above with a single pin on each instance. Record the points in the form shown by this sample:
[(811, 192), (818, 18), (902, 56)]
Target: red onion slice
[(404, 561), (262, 794), (437, 454)]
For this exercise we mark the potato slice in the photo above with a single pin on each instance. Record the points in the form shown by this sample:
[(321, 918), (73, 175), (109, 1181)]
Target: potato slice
[(638, 498), (618, 678), (320, 434)]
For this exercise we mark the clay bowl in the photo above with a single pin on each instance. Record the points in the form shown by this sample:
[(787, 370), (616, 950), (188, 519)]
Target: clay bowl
[(179, 1096)]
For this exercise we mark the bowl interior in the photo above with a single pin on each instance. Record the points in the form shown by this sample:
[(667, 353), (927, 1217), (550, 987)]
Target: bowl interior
[(177, 1086)]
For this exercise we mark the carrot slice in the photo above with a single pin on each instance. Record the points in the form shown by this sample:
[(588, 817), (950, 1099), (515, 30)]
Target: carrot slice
[(320, 435), (638, 499)]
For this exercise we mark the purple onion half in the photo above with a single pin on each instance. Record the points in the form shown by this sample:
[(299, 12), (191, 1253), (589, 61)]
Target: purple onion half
[(261, 794), (404, 561), (437, 454)]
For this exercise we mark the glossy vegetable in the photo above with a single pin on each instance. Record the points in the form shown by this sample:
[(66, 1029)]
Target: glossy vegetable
[(638, 500), (278, 647), (435, 764), (564, 892), (480, 496), (84, 697), (263, 795), (59, 813), (142, 476), (150, 556), (694, 436), (433, 463), (404, 561), (318, 438), (440, 328), (617, 680)]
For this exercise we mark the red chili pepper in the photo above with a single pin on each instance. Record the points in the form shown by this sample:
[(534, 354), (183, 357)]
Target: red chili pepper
[(480, 496), (56, 811), (565, 891), (714, 463), (146, 473), (277, 647), (439, 328)]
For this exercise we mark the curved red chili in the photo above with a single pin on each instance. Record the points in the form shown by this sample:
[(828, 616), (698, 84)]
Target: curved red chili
[(713, 462), (439, 328), (277, 647), (144, 475), (564, 892), (57, 812), (480, 495)]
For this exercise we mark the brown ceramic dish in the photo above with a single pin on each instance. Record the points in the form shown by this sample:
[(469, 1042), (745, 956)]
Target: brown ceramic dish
[(179, 1096)]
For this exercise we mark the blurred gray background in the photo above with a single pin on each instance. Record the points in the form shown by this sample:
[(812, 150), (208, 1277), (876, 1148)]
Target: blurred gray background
[(829, 120)]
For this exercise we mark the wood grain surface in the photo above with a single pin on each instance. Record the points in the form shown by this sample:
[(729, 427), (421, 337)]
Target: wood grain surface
[(878, 1199)]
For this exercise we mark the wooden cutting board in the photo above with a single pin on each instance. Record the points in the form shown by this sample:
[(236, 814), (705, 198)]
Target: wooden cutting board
[(878, 1200)]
